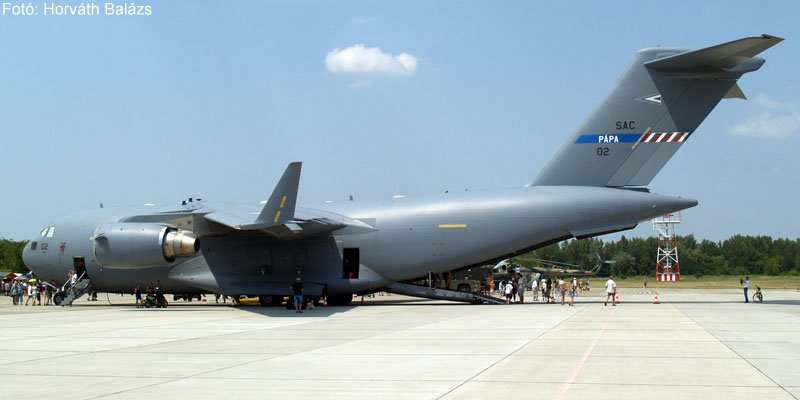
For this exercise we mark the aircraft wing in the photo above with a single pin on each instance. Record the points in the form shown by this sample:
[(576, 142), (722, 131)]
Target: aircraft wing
[(292, 229), (228, 220), (279, 219)]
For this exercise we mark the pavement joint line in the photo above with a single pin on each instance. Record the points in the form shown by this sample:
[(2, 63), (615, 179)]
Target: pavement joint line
[(413, 379), (38, 359), (556, 324), (566, 385), (740, 356), (629, 384)]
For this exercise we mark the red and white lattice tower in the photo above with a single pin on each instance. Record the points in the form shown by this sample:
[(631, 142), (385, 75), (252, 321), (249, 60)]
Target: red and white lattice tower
[(667, 266)]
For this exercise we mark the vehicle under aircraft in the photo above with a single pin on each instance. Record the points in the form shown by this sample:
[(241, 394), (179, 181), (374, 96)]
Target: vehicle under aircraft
[(596, 184)]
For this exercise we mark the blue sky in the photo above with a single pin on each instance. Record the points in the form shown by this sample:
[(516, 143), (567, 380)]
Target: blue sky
[(212, 99)]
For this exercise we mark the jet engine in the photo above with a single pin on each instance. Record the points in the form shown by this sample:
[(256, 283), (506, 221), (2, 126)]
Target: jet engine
[(133, 244)]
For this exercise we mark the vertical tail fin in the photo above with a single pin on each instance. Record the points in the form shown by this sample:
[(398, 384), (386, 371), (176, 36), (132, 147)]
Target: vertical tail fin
[(658, 102)]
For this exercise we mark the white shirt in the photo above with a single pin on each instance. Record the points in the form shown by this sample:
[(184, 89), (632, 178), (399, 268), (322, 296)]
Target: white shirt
[(534, 284), (508, 288), (747, 284), (610, 286)]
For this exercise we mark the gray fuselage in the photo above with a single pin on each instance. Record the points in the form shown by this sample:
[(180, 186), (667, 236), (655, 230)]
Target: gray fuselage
[(405, 239)]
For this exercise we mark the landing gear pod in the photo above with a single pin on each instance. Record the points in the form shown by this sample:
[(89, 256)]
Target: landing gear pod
[(133, 245)]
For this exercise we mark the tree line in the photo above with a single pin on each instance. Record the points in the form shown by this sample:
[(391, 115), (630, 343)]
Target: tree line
[(11, 256), (738, 255)]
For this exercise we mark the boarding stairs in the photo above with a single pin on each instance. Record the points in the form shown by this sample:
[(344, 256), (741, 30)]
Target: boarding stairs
[(427, 292), (72, 293)]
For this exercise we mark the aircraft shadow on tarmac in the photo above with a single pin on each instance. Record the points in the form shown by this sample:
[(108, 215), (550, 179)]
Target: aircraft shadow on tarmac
[(286, 313)]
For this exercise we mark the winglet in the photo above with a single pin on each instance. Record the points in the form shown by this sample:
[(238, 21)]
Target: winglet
[(280, 206)]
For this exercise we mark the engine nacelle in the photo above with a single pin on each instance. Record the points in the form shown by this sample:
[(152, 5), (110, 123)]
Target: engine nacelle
[(135, 244)]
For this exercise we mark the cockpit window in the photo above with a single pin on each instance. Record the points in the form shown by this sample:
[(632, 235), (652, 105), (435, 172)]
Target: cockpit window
[(48, 232), (44, 231)]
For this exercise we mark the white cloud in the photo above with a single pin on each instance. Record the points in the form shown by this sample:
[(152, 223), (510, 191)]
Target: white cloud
[(780, 121), (358, 59), (763, 101)]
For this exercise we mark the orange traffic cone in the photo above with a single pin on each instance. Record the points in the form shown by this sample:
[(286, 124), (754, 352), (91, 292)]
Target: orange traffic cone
[(616, 298), (655, 299)]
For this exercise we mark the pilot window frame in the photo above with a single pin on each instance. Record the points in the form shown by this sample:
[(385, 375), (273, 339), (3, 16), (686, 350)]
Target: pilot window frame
[(351, 262)]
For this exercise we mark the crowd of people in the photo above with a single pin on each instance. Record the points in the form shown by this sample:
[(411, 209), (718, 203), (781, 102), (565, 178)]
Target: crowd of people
[(29, 292), (547, 290)]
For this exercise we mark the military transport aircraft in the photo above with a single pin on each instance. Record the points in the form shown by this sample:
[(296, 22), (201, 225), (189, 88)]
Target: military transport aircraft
[(596, 184)]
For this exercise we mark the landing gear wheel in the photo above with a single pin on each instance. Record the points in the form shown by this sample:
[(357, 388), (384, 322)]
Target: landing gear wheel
[(58, 298), (269, 300)]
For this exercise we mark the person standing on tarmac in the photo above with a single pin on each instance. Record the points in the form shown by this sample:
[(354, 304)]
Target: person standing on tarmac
[(573, 291), (297, 290), (611, 289), (745, 285), (548, 286), (508, 289), (137, 292), (48, 294)]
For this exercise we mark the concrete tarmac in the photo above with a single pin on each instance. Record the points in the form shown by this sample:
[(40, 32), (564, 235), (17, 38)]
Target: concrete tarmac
[(695, 344)]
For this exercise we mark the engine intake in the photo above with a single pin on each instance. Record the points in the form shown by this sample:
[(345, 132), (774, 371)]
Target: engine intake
[(135, 245)]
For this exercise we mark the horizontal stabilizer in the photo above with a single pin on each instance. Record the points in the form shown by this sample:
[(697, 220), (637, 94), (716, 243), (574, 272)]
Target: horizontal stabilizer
[(724, 56)]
